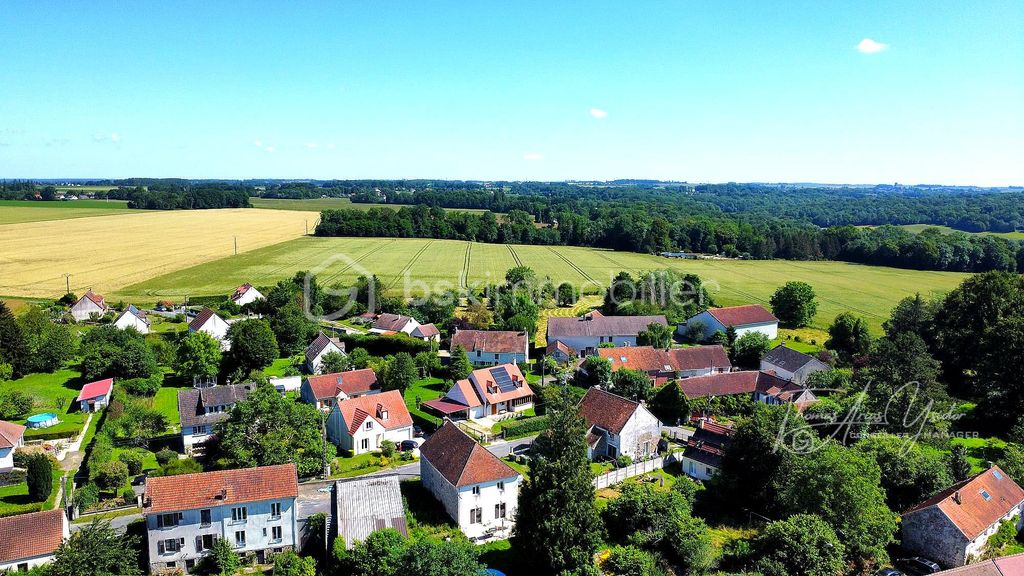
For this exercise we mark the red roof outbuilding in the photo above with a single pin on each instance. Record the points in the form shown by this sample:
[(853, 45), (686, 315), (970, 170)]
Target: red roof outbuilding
[(96, 389)]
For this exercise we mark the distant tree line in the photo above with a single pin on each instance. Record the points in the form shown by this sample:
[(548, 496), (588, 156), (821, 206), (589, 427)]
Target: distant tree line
[(184, 197)]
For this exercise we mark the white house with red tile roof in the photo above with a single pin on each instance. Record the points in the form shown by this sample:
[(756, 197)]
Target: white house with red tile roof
[(12, 437), (487, 392), (662, 365), (477, 489), (744, 319), (208, 321), (953, 526), (90, 305), (387, 323), (29, 540), (490, 347), (321, 346), (132, 317), (253, 508), (325, 390), (618, 426), (246, 294), (95, 395), (361, 424), (426, 332)]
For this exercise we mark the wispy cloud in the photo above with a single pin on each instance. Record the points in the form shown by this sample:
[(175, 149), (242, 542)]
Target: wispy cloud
[(262, 146), (598, 113), (270, 149), (112, 137), (311, 145), (533, 156), (869, 46)]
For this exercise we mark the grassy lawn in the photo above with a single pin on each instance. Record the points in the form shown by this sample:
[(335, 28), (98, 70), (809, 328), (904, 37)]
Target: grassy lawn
[(51, 391), (812, 340), (279, 367), (14, 499), (981, 450), (499, 426), (161, 325), (347, 467), (105, 516), (166, 402), (501, 556), (148, 461), (523, 469), (722, 535), (19, 211), (424, 389)]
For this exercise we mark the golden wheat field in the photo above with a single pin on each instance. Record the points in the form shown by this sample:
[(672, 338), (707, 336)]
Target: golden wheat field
[(108, 252)]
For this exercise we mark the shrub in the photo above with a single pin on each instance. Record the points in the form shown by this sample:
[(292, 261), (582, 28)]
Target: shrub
[(166, 455), (632, 561), (39, 478), (387, 448), (128, 495), (178, 467), (526, 426), (14, 404), (112, 475), (622, 461), (87, 496), (142, 386), (133, 460)]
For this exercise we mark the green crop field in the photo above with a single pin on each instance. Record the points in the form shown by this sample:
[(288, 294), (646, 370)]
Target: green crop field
[(870, 291), (318, 204), (18, 211), (915, 228)]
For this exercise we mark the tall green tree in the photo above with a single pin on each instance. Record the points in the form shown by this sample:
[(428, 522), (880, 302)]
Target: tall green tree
[(292, 328), (913, 314), (632, 384), (400, 373), (111, 352), (557, 525), (13, 350), (794, 304), (198, 356), (253, 345), (749, 349), (848, 336), (801, 545), (656, 335), (909, 474), (999, 375), (959, 464), (459, 367), (97, 549), (49, 346), (595, 371), (39, 477)]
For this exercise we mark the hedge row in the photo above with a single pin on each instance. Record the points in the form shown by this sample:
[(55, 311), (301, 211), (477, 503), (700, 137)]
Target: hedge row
[(384, 345), (525, 427)]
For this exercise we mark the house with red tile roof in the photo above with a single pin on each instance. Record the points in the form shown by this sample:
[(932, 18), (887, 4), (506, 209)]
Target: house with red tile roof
[(30, 540), (321, 346), (208, 321), (668, 364), (587, 333), (325, 390), (12, 437), (90, 305), (487, 392), (560, 351), (618, 426), (491, 347), (95, 395), (705, 449), (387, 323), (246, 294), (253, 508), (744, 319), (953, 526), (477, 489), (764, 387), (1012, 565), (363, 423)]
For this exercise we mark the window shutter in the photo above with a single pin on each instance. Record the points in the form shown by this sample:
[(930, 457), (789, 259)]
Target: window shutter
[(181, 543), (199, 543), (160, 547)]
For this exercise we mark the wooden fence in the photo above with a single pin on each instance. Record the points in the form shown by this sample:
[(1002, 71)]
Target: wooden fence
[(613, 477)]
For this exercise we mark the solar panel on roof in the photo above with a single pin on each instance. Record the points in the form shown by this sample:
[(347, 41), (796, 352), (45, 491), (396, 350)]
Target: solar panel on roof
[(502, 379)]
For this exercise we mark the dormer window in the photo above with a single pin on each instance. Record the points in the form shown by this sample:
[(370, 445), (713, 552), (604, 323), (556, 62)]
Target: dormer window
[(383, 414)]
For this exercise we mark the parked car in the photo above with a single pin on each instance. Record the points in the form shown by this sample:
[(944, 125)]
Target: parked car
[(417, 431), (522, 449), (918, 566), (413, 444), (889, 572)]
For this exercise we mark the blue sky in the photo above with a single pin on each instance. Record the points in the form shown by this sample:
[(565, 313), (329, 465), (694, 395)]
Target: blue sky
[(697, 91)]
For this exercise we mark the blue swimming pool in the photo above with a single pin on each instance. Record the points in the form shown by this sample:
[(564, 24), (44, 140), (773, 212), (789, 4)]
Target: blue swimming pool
[(42, 420)]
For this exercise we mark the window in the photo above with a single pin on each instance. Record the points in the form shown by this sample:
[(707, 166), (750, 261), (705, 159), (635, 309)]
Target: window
[(275, 510), (364, 443), (499, 511), (170, 546), (369, 425), (495, 356), (997, 474), (476, 516), (206, 541), (501, 485), (986, 495), (23, 567), (240, 514), (168, 520), (205, 517), (276, 534), (476, 490), (240, 538)]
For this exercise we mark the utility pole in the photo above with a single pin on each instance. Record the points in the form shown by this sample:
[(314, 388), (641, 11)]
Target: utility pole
[(236, 244), (307, 226), (323, 427), (67, 281)]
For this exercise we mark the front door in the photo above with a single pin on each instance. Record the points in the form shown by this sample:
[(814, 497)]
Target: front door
[(494, 409)]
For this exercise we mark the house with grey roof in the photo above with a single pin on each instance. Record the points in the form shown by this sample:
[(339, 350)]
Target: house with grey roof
[(587, 333), (363, 505), (200, 409), (788, 364)]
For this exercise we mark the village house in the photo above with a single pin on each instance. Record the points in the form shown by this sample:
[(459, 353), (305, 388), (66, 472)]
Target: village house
[(560, 352), (30, 540), (618, 426), (491, 347), (208, 321), (95, 395), (361, 506), (12, 437), (663, 365), (791, 365), (89, 306), (200, 409), (705, 449), (132, 317), (586, 333), (487, 392), (763, 387), (253, 508), (246, 294), (387, 323), (953, 526), (325, 390), (1012, 565), (321, 346), (362, 423), (477, 489), (744, 319)]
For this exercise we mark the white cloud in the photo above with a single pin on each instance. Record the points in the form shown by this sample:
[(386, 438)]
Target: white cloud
[(115, 137), (869, 46), (598, 113), (112, 137), (258, 143), (311, 145), (533, 156), (330, 146), (269, 148)]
